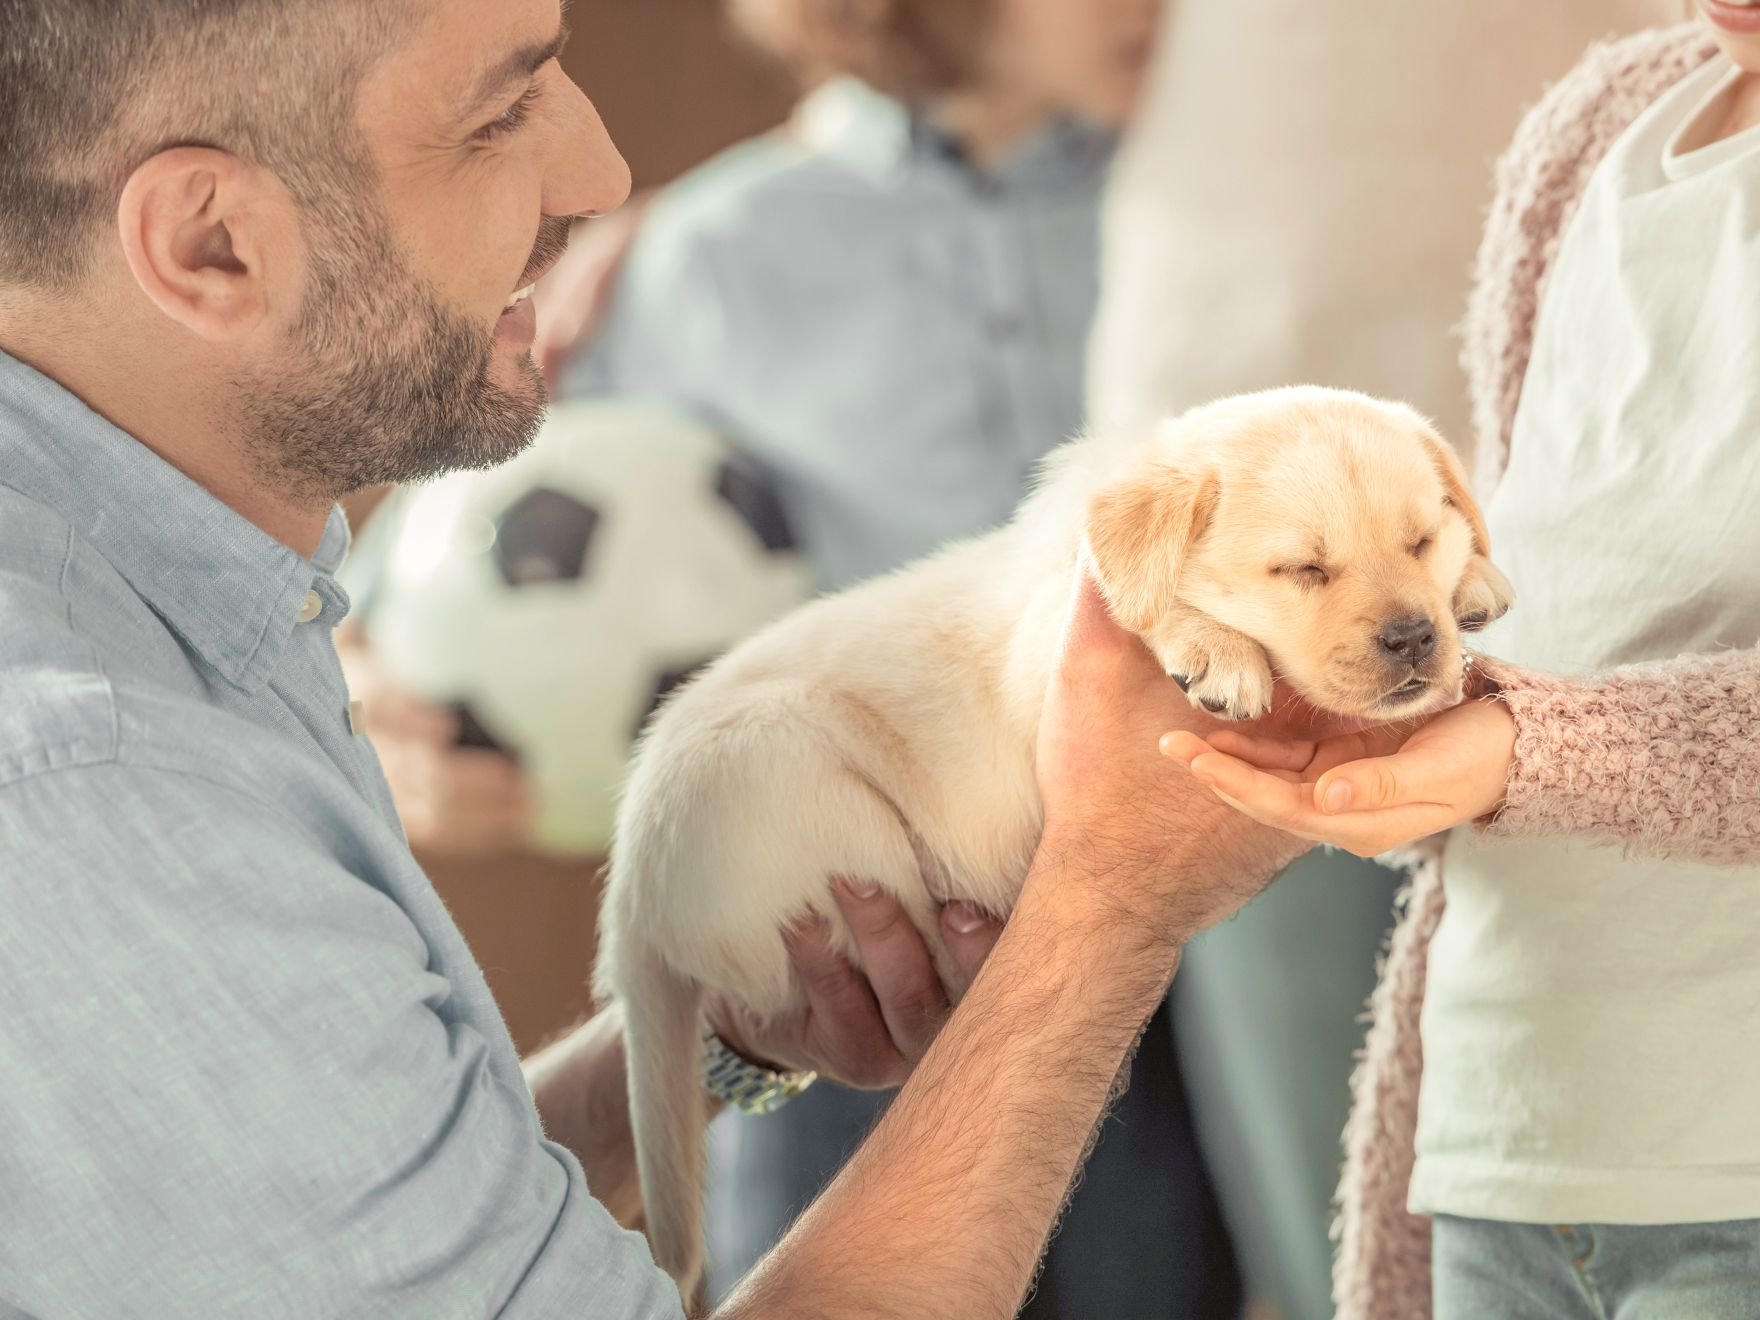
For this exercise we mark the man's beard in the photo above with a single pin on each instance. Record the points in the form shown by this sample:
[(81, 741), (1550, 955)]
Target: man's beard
[(383, 383)]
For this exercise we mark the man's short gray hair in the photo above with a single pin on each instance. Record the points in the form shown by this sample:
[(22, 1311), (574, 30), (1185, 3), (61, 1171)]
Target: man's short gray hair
[(90, 89)]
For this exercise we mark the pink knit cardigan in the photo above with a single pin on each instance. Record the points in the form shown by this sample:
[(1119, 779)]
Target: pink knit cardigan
[(1665, 756)]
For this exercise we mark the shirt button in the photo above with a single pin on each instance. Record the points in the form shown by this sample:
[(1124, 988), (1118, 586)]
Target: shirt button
[(311, 608)]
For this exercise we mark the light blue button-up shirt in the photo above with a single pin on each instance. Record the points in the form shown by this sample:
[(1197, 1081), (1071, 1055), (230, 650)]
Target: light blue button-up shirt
[(247, 1065), (896, 336)]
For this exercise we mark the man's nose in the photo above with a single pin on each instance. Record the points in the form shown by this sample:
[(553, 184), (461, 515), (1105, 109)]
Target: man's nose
[(585, 174), (1409, 639)]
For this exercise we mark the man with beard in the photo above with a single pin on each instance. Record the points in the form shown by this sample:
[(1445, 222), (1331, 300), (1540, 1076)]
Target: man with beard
[(255, 254)]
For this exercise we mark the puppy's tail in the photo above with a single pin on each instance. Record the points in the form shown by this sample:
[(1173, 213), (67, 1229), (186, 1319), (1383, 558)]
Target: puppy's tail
[(663, 1039)]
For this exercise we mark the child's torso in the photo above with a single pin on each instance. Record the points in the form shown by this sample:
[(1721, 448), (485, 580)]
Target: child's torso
[(1589, 1020)]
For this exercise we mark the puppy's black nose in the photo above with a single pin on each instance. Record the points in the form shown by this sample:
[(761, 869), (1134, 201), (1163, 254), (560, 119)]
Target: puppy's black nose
[(1408, 640)]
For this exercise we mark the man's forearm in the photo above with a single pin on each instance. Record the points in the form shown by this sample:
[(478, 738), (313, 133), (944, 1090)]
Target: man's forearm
[(946, 1208)]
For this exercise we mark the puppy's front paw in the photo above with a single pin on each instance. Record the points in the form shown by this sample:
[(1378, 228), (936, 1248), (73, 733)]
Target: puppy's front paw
[(1223, 672), (1484, 595)]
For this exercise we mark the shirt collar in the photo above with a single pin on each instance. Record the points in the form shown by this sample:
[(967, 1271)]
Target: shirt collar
[(881, 137), (231, 591)]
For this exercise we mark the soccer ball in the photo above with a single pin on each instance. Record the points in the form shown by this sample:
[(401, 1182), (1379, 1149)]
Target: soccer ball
[(555, 601)]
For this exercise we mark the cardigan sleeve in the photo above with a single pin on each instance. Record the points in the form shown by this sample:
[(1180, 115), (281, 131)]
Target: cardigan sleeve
[(1664, 757)]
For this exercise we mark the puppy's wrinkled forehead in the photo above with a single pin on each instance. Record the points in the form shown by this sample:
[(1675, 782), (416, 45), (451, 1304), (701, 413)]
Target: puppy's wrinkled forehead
[(1321, 475)]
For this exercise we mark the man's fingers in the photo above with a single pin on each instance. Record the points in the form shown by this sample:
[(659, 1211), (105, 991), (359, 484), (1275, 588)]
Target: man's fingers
[(854, 1042), (969, 932), (470, 777), (898, 965), (393, 713)]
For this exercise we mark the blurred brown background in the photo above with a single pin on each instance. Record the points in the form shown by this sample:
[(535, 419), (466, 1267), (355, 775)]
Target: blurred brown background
[(674, 86)]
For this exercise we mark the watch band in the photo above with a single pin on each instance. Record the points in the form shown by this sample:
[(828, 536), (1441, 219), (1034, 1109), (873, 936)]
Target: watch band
[(745, 1085)]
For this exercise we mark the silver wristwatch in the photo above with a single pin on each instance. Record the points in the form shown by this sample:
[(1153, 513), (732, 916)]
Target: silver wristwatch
[(745, 1085)]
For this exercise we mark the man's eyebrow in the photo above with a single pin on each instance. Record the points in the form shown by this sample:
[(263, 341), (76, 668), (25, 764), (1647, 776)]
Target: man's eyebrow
[(517, 66)]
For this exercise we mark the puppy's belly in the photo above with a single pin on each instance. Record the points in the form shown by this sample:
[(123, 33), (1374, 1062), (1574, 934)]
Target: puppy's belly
[(744, 820)]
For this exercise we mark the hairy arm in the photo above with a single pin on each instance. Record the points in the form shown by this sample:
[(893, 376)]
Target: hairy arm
[(865, 1029), (987, 1137), (947, 1207)]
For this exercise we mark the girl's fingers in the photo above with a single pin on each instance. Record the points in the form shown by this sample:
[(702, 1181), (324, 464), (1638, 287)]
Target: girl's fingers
[(1420, 775), (1268, 798), (1290, 807)]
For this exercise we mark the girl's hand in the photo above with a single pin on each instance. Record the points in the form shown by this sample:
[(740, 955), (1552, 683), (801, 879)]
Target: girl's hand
[(1364, 792)]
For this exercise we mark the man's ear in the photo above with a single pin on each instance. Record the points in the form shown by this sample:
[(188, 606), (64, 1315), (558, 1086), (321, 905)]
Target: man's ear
[(198, 226), (1457, 492), (1138, 533)]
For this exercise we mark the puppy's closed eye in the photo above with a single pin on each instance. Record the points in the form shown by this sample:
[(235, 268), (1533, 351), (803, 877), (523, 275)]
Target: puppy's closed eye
[(1305, 575)]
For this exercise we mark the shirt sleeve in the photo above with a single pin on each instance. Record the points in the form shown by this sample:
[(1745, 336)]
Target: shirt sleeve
[(234, 1086)]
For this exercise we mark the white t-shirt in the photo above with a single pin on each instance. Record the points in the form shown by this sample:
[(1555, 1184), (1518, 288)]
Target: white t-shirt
[(1591, 1027)]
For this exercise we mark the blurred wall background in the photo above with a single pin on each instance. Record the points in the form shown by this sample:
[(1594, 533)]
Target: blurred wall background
[(671, 82)]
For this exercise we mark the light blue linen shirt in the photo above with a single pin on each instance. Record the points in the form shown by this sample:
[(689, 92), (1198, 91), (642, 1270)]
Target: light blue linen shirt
[(897, 336), (247, 1065)]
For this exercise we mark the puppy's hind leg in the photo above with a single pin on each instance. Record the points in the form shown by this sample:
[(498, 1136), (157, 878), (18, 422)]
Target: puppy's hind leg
[(731, 828)]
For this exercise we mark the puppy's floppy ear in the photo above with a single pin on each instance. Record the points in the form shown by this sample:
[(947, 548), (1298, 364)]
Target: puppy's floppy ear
[(1457, 492), (1138, 533)]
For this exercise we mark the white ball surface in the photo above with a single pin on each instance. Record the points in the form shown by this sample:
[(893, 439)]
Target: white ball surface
[(557, 596)]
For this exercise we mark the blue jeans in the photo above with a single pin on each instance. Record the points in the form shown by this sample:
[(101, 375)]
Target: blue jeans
[(1485, 1270)]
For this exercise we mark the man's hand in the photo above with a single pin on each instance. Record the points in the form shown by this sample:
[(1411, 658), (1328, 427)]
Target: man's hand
[(1117, 811), (951, 1198), (865, 1029), (454, 801), (1366, 792)]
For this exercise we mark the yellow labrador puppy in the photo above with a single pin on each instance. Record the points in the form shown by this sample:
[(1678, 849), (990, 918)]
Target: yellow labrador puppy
[(887, 732)]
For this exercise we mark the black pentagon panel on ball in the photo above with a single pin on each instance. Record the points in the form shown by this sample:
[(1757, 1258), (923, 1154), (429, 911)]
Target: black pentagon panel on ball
[(663, 686), (472, 732), (543, 536), (745, 491)]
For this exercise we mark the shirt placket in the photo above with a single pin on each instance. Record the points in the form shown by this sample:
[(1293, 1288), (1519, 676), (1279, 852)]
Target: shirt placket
[(323, 705)]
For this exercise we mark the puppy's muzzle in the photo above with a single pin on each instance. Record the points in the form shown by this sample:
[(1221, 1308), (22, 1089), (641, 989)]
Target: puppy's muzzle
[(1407, 641)]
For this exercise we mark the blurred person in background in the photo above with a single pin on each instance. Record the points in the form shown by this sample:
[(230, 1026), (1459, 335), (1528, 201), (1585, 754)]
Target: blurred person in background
[(886, 303), (1300, 200)]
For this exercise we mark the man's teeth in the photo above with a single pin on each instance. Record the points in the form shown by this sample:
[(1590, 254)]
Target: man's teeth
[(526, 292)]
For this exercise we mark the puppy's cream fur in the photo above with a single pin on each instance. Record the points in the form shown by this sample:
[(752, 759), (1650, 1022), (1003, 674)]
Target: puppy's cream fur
[(887, 732)]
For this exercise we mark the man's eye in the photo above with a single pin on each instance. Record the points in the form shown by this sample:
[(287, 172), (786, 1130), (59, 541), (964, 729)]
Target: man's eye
[(512, 119)]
